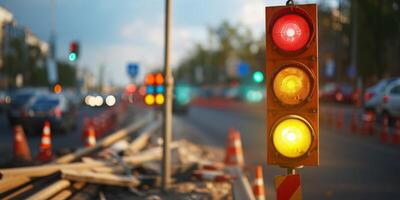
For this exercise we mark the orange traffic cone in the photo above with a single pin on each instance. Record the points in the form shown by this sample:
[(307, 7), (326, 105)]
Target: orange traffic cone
[(21, 147), (384, 129), (45, 152), (396, 135), (258, 185), (234, 152), (339, 119), (353, 124), (90, 137)]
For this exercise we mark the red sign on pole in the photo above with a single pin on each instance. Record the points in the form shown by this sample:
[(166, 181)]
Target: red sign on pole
[(288, 187)]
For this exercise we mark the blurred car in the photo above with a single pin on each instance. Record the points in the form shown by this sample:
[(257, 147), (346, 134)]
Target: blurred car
[(182, 98), (17, 108), (389, 105), (56, 108), (337, 92), (5, 99), (373, 95)]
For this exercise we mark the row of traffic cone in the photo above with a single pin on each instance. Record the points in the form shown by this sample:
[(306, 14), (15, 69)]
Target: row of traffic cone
[(367, 126), (21, 148)]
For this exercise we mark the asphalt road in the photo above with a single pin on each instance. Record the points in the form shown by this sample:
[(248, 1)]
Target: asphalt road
[(351, 166)]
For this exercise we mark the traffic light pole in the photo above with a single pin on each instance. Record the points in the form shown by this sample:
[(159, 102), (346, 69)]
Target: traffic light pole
[(167, 124)]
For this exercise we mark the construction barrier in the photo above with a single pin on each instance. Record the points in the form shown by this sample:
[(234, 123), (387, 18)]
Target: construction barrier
[(288, 187)]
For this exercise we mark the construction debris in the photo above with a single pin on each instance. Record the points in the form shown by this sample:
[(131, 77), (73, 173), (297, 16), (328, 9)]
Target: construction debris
[(119, 167)]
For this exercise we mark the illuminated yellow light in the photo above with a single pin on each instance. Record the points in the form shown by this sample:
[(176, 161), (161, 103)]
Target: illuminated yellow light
[(292, 85), (160, 99), (149, 99), (292, 137)]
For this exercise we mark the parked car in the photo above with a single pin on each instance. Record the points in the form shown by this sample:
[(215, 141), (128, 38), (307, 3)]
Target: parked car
[(56, 108), (373, 95), (389, 104), (17, 109), (337, 92)]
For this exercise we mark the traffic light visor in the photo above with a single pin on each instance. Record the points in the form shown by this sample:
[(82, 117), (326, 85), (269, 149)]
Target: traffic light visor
[(292, 85), (292, 137), (291, 32)]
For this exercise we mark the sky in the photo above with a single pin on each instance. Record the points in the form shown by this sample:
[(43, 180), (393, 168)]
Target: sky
[(115, 33)]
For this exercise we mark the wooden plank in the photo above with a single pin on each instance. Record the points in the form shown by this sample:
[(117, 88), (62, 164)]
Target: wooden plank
[(50, 190), (11, 183), (44, 170), (105, 142), (141, 141), (66, 193), (96, 178), (154, 153)]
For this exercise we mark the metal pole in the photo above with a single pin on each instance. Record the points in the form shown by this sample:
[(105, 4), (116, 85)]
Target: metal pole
[(167, 126)]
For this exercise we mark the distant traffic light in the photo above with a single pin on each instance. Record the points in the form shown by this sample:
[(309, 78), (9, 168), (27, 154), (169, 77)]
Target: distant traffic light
[(258, 77), (154, 89), (73, 51), (57, 88), (292, 89)]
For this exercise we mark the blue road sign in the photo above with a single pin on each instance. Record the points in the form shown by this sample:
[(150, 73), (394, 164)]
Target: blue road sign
[(243, 69), (133, 69)]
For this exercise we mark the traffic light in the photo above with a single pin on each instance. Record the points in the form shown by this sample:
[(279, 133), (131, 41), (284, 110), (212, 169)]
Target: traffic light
[(57, 88), (292, 88), (73, 51), (258, 77), (154, 89)]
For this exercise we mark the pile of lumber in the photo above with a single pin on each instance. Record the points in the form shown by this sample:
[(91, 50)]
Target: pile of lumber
[(128, 160)]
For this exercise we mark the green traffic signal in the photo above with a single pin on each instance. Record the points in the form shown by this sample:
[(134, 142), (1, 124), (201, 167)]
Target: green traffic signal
[(72, 56), (258, 77)]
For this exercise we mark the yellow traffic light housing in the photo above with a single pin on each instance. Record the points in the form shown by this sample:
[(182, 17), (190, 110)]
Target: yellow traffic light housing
[(292, 88)]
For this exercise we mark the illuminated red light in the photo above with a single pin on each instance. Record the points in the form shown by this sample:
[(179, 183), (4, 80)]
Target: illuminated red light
[(159, 79), (131, 88), (150, 79), (291, 32)]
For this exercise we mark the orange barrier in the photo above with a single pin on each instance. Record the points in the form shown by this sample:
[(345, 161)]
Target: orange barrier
[(45, 152), (258, 185), (288, 187), (21, 147), (234, 152)]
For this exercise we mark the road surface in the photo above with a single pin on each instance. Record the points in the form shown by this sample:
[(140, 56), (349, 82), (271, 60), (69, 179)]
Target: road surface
[(351, 166)]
